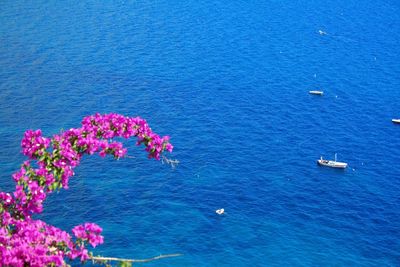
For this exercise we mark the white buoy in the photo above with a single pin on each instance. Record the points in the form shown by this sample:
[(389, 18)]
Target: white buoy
[(220, 211)]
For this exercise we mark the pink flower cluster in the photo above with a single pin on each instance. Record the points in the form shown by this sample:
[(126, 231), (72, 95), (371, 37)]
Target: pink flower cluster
[(33, 143), (25, 241), (89, 232)]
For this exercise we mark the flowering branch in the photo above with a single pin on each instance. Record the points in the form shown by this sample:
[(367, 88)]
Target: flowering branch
[(25, 241)]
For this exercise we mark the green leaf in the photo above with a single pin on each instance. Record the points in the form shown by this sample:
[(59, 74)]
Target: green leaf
[(125, 264)]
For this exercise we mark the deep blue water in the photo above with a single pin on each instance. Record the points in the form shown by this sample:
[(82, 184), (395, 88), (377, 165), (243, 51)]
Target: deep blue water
[(229, 82)]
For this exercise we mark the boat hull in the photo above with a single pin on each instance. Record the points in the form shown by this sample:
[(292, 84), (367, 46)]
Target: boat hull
[(316, 92), (332, 164), (396, 121)]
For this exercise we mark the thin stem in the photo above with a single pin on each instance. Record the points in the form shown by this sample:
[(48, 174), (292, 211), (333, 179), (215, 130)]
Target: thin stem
[(138, 260)]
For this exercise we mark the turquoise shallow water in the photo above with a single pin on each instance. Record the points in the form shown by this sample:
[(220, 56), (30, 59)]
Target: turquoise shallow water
[(229, 83)]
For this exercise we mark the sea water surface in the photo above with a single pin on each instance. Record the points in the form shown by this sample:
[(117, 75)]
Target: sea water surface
[(229, 82)]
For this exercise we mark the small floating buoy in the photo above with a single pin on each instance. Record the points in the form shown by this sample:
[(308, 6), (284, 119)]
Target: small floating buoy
[(220, 211)]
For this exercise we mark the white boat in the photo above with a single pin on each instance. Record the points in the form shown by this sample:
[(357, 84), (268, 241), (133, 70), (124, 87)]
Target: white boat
[(332, 163), (396, 121), (220, 211), (322, 32), (314, 92)]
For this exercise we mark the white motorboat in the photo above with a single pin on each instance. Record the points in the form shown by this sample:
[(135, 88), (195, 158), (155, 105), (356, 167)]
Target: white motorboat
[(396, 121), (220, 211), (315, 92), (332, 163)]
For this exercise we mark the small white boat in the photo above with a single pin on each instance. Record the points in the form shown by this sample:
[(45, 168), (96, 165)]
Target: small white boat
[(322, 32), (396, 121), (220, 211), (332, 163), (314, 92)]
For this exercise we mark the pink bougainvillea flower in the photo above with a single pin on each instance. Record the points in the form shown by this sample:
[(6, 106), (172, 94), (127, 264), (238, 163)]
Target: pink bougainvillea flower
[(28, 242)]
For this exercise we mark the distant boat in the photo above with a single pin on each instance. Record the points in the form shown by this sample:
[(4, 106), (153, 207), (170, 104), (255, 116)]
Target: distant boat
[(316, 92), (322, 32), (220, 211), (396, 121), (332, 163)]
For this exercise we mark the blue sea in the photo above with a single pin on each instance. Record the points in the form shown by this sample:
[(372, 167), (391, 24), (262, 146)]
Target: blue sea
[(229, 82)]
